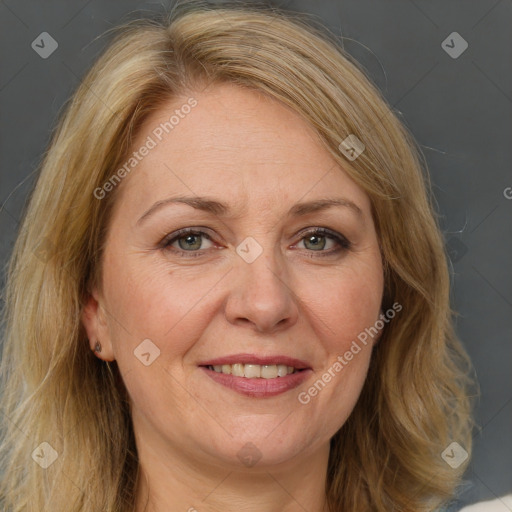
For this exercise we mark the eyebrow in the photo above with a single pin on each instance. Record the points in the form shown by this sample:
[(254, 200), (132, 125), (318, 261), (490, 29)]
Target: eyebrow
[(209, 205)]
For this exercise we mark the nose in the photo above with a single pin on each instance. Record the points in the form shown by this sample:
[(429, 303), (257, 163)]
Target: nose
[(261, 296)]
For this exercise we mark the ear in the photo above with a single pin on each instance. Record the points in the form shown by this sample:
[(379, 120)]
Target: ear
[(94, 319)]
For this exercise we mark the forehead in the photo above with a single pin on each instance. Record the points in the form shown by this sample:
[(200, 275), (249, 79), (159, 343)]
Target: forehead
[(238, 144)]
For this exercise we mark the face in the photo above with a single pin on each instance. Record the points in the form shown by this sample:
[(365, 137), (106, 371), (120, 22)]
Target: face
[(208, 303)]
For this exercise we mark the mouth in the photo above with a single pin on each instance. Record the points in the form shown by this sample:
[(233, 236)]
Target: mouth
[(254, 371), (257, 376)]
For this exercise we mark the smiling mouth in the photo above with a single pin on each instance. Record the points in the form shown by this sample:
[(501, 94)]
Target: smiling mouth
[(254, 371), (257, 375)]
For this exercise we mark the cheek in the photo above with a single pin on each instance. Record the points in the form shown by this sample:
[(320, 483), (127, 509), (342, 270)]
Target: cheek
[(169, 307), (342, 316), (344, 305)]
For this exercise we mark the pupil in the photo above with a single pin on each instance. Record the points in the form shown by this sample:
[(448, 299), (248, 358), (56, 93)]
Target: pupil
[(189, 241), (315, 240)]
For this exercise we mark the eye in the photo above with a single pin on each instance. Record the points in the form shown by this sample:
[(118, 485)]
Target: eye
[(187, 241), (317, 240)]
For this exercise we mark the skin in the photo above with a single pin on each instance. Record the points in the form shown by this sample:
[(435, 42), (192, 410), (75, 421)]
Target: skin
[(259, 157)]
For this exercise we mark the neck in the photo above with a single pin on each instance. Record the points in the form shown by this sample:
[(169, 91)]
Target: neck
[(189, 485)]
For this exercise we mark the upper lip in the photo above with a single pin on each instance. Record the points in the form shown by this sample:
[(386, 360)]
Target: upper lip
[(257, 359)]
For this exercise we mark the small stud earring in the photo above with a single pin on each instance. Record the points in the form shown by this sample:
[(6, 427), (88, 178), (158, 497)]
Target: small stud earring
[(97, 347)]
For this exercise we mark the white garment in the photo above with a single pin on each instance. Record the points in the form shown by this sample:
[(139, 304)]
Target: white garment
[(503, 504)]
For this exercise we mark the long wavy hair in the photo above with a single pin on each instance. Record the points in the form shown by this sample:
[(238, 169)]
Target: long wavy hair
[(416, 399)]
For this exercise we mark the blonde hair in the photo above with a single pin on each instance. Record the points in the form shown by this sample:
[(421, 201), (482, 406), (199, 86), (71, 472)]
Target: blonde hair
[(414, 403)]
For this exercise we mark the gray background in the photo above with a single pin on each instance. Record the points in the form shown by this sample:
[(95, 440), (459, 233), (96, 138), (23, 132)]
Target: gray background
[(459, 109)]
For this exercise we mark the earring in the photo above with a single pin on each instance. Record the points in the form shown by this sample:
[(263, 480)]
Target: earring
[(97, 347)]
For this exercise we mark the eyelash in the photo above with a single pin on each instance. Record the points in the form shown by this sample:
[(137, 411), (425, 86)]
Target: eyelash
[(343, 243)]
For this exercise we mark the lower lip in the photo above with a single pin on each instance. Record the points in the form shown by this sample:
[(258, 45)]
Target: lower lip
[(259, 388)]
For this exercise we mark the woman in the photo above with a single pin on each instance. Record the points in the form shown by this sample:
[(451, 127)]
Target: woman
[(230, 288)]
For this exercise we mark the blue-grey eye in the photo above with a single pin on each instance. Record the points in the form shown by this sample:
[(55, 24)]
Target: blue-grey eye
[(187, 240)]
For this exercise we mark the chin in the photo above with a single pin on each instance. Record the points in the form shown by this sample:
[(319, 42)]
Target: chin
[(260, 450)]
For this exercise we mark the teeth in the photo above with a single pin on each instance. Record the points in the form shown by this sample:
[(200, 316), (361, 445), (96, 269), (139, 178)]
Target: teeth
[(269, 371), (282, 370), (254, 371), (237, 370)]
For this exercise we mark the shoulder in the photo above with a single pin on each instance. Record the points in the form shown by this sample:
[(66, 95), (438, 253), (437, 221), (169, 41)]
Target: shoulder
[(503, 504)]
